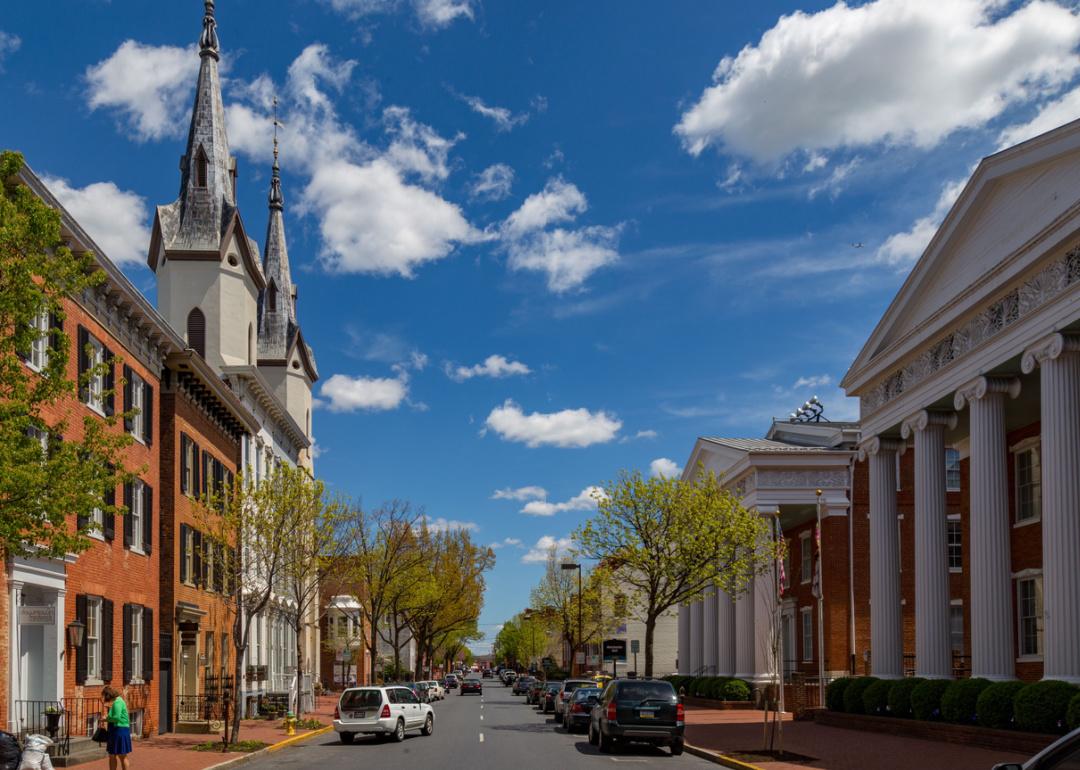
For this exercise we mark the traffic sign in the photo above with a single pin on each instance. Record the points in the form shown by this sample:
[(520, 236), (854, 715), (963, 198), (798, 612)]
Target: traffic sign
[(635, 646), (615, 649)]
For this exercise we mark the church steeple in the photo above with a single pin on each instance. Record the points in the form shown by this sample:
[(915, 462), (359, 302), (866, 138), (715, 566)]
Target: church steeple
[(277, 306)]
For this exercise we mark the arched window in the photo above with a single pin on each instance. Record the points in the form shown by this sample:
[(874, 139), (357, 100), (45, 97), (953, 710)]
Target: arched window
[(271, 297), (201, 167), (196, 331)]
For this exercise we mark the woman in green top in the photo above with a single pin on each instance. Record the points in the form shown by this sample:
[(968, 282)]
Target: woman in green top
[(118, 743)]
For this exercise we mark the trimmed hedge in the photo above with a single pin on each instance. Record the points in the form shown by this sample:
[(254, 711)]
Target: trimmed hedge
[(876, 697), (926, 698), (735, 689), (1072, 716), (834, 693), (994, 708), (959, 702), (1041, 706), (900, 696), (853, 694), (715, 687)]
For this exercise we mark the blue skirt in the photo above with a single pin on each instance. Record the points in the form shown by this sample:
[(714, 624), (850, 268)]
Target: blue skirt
[(119, 740)]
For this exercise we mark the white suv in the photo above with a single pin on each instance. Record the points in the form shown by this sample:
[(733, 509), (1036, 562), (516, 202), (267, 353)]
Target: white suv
[(435, 690), (381, 711)]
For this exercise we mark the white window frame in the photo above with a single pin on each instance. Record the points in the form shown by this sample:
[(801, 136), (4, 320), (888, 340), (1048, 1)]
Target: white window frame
[(1029, 447), (954, 605), (136, 644), (138, 519), (189, 558), (96, 387), (137, 407), (806, 559), (806, 631), (1034, 578), (97, 523), (951, 451), (39, 348), (953, 521), (93, 639)]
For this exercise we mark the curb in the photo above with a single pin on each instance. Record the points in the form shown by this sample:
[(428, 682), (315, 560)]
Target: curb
[(718, 758), (245, 758)]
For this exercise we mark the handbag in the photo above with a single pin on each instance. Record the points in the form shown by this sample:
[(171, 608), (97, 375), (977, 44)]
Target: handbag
[(100, 735)]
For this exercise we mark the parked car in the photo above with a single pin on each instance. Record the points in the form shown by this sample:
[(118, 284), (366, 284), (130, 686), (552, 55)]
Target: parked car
[(436, 690), (508, 677), (549, 695), (421, 690), (638, 710), (566, 691), (472, 684), (1062, 754), (522, 684), (536, 691), (452, 682), (577, 711), (382, 711)]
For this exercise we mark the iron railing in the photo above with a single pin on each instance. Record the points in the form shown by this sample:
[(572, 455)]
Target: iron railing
[(61, 720)]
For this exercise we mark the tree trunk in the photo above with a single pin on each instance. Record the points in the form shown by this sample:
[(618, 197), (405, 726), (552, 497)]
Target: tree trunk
[(299, 629), (373, 650), (650, 629)]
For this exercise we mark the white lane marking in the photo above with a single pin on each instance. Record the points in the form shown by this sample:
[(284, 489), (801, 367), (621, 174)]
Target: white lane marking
[(481, 737), (481, 717)]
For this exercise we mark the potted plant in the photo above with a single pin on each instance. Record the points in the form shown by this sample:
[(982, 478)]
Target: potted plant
[(52, 720)]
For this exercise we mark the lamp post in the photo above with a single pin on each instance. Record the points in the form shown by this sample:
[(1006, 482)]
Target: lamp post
[(580, 599), (528, 615)]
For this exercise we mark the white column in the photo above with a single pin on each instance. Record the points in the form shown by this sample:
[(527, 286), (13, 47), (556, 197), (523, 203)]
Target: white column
[(765, 625), (886, 639), (992, 627), (684, 640), (711, 639), (61, 642), (933, 650), (744, 633), (1058, 356), (14, 652), (725, 632), (697, 637)]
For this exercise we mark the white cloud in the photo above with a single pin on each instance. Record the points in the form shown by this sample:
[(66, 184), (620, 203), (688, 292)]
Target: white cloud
[(445, 525), (494, 366), (834, 182), (503, 118), (813, 381), (511, 542), (521, 493), (493, 183), (1052, 114), (664, 467), (568, 428), (539, 553), (116, 219), (372, 394), (585, 500), (430, 13), (901, 249), (906, 72), (150, 85), (559, 201), (650, 434), (9, 44)]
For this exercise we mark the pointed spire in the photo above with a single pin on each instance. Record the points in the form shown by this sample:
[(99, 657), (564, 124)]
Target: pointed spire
[(208, 41), (277, 305), (276, 199)]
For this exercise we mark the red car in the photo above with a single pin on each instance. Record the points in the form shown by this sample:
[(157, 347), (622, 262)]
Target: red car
[(471, 684)]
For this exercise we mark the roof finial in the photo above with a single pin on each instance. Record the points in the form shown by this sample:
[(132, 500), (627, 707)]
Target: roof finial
[(208, 41), (277, 200)]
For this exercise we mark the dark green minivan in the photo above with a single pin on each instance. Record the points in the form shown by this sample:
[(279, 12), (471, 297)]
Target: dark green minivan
[(638, 710)]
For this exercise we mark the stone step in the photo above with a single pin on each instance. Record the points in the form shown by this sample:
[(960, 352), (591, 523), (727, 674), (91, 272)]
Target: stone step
[(82, 750)]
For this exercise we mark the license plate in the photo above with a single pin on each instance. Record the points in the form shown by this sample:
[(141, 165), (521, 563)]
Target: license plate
[(359, 714), (647, 714)]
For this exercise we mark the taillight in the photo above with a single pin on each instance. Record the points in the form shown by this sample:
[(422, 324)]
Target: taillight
[(680, 713), (577, 708), (611, 711), (385, 713), (337, 713)]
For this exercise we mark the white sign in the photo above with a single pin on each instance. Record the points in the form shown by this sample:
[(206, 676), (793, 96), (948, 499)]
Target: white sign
[(37, 616), (580, 657)]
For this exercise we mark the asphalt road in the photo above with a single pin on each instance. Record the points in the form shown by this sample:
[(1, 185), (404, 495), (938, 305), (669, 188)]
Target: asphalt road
[(495, 731)]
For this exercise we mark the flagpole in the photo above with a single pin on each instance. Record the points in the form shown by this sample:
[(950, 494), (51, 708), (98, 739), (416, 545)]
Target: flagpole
[(820, 611)]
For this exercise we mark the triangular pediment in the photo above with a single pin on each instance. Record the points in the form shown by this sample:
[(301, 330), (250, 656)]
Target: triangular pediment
[(1012, 199)]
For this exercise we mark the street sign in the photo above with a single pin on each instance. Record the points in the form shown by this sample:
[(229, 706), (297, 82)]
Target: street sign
[(579, 657), (615, 649), (635, 646)]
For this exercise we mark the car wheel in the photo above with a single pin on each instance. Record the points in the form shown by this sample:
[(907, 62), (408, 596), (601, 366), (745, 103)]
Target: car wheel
[(346, 738), (429, 725), (677, 747), (399, 731), (606, 744)]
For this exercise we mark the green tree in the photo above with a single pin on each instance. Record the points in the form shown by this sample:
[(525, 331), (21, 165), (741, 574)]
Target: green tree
[(55, 466), (666, 540)]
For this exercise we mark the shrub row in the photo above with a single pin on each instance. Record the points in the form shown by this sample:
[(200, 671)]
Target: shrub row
[(715, 687), (1044, 707)]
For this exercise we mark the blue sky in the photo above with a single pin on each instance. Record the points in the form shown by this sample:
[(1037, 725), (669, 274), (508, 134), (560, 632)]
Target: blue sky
[(537, 243)]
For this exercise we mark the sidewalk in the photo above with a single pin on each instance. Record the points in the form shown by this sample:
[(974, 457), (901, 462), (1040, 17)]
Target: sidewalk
[(173, 750), (739, 734)]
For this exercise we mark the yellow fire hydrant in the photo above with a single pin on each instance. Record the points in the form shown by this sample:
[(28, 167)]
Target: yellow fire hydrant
[(290, 724)]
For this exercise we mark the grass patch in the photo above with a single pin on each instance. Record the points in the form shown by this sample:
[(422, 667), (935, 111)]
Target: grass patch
[(244, 746)]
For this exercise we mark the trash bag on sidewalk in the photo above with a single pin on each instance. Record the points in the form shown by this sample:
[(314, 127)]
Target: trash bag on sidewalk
[(10, 755), (35, 755)]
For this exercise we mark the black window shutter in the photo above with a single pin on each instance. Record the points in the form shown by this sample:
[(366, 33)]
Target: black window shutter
[(196, 477), (219, 483), (106, 640), (110, 382), (110, 495), (80, 652), (83, 337), (128, 389), (148, 519), (110, 518), (148, 414), (148, 644), (185, 442), (207, 465), (196, 559), (183, 553), (126, 635), (56, 324), (129, 504), (219, 568)]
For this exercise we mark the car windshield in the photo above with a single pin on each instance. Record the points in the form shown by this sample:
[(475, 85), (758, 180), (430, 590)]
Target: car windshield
[(572, 685), (639, 691), (352, 700), (554, 686), (584, 693)]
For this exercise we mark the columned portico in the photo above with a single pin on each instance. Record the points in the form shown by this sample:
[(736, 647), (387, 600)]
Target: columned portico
[(697, 638), (1058, 359), (991, 616), (744, 634), (933, 654), (711, 639), (725, 624), (886, 640), (684, 640)]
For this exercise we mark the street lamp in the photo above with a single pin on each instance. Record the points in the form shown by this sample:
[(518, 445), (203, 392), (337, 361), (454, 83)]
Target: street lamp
[(580, 599)]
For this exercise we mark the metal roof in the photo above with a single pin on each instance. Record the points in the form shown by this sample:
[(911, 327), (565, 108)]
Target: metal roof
[(763, 445)]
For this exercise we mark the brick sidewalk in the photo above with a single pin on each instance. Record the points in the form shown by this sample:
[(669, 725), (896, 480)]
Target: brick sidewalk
[(173, 750), (741, 732)]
